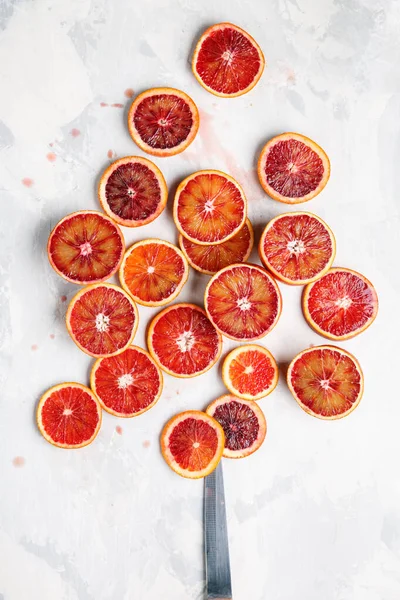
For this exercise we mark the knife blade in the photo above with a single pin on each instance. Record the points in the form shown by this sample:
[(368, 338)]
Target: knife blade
[(216, 547)]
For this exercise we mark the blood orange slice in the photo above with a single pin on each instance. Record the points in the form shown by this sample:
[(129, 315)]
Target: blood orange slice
[(102, 319), (250, 372), (153, 272), (227, 61), (341, 304), (85, 247), (297, 247), (292, 168), (326, 381), (209, 208), (183, 341), (69, 415), (132, 191), (127, 384), (243, 423), (163, 121), (243, 302), (212, 258), (192, 444)]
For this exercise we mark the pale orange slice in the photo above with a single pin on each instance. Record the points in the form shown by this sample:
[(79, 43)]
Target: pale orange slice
[(153, 272)]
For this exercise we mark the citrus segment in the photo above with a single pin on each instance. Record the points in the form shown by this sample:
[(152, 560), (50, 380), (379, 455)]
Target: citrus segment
[(183, 341), (153, 272), (85, 247), (243, 423), (227, 61), (212, 258), (297, 247), (102, 319), (163, 121), (192, 444), (250, 372), (292, 168), (127, 384), (326, 381), (209, 208), (341, 304), (132, 191), (69, 415), (243, 302)]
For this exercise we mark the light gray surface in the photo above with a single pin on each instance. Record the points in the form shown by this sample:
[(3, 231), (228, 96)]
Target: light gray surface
[(315, 513)]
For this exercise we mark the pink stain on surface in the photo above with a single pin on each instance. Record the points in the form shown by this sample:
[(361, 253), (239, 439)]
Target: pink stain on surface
[(213, 148), (52, 336), (34, 347), (119, 429), (129, 93), (117, 105), (75, 132), (146, 444), (51, 157), (18, 462), (27, 182), (63, 298), (111, 154), (103, 104)]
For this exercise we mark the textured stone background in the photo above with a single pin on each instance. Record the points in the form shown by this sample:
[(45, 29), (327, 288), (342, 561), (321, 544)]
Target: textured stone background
[(315, 513)]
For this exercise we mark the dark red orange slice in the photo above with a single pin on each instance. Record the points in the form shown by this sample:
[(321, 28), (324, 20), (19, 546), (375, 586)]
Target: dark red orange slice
[(132, 191), (326, 381), (340, 305), (243, 302), (243, 423), (297, 247), (209, 208), (163, 121), (210, 259), (127, 384), (102, 319), (183, 341), (192, 444), (227, 61), (85, 247), (292, 168), (69, 415)]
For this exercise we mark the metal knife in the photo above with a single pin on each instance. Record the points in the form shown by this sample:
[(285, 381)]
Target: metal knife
[(218, 571)]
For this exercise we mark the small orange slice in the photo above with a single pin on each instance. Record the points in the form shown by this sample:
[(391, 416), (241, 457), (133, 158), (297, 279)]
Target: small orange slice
[(292, 168), (153, 272), (163, 121), (209, 207), (183, 341), (243, 423), (102, 319), (212, 258), (250, 372), (69, 415), (192, 444), (297, 247), (341, 304), (128, 384), (227, 61), (86, 247), (326, 381), (132, 191), (243, 302)]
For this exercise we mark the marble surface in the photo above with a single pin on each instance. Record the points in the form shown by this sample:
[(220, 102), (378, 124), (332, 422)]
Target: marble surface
[(315, 513)]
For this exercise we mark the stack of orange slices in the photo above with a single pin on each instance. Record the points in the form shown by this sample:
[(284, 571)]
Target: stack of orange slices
[(242, 300)]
